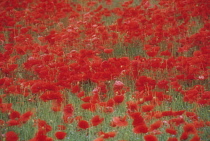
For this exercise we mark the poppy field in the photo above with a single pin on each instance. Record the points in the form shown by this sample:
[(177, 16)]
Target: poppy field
[(104, 70)]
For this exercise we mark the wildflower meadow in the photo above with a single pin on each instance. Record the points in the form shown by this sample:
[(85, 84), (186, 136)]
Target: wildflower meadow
[(105, 70)]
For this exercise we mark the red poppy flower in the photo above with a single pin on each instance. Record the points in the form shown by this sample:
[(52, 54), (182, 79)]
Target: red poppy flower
[(98, 139), (119, 121), (147, 108), (81, 94), (184, 136), (192, 115), (49, 95), (118, 98), (172, 139), (68, 119), (14, 115), (88, 106), (11, 136), (60, 135), (2, 122), (178, 113), (152, 53), (68, 110), (132, 106), (196, 138), (166, 53), (40, 136), (118, 85), (177, 121), (171, 131), (110, 103), (86, 99), (163, 84), (189, 128), (137, 119), (150, 138), (83, 124), (25, 117), (5, 107), (156, 125), (140, 129), (43, 126), (207, 123), (107, 135), (75, 89), (13, 122), (96, 120), (167, 113), (56, 106), (108, 51)]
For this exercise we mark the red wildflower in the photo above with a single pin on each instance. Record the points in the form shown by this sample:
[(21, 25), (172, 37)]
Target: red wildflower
[(2, 122), (83, 124), (143, 83), (51, 96), (158, 114), (25, 117), (43, 126), (86, 99), (118, 98), (75, 89), (96, 120), (110, 103), (167, 113), (118, 121), (192, 115), (118, 85), (156, 125), (88, 106), (177, 121), (147, 108), (60, 135), (68, 119), (132, 106), (13, 122), (56, 106), (178, 113), (171, 131), (189, 128), (107, 135), (196, 138), (98, 139), (80, 94), (140, 129), (150, 138), (11, 136), (68, 110), (184, 136), (166, 53), (172, 139), (14, 115), (5, 107), (163, 84), (40, 136), (138, 119), (207, 123), (108, 51)]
